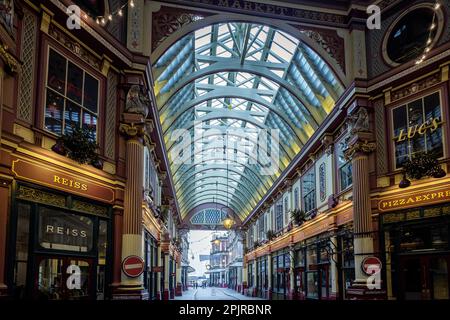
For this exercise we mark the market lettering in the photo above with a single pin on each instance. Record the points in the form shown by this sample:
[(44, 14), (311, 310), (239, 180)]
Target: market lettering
[(253, 6), (430, 197), (70, 183), (431, 125)]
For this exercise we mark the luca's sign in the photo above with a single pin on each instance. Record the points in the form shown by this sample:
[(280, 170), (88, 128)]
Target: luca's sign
[(417, 199), (419, 129)]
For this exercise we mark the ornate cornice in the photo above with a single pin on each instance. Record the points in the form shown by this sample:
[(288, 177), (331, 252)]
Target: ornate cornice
[(75, 47)]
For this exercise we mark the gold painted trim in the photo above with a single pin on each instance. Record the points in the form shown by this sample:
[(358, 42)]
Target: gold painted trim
[(85, 195), (118, 183)]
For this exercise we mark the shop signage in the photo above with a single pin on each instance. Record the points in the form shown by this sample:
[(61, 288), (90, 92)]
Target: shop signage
[(64, 231), (430, 125), (133, 266), (414, 200), (40, 174), (371, 264)]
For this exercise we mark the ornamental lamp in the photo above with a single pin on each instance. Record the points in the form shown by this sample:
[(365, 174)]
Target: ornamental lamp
[(228, 223)]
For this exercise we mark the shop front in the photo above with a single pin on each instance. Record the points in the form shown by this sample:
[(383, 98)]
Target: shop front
[(312, 272), (417, 252), (262, 277), (281, 275), (60, 245)]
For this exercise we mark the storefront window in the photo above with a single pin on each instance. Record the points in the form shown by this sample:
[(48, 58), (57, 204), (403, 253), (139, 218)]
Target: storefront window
[(101, 267), (417, 128), (309, 194), (348, 261), (312, 275), (22, 238), (72, 97), (64, 231)]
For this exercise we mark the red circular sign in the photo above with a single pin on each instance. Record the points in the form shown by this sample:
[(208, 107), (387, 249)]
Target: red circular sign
[(370, 265), (133, 266)]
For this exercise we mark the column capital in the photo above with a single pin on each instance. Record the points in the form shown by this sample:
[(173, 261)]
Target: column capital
[(132, 130), (359, 147)]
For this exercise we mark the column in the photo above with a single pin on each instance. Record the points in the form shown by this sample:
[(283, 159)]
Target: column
[(178, 288), (333, 269), (166, 294), (269, 277), (360, 146), (291, 272), (134, 128), (4, 212), (158, 275)]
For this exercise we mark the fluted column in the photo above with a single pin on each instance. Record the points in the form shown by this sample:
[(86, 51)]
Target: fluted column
[(158, 274), (178, 288), (269, 276), (360, 147), (134, 127), (291, 273), (166, 293)]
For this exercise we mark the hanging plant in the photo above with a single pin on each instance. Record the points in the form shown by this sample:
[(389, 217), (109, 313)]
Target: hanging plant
[(78, 145), (270, 235), (423, 165), (298, 216)]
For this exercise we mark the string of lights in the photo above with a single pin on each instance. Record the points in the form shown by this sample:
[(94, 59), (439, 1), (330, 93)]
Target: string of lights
[(433, 26), (116, 13)]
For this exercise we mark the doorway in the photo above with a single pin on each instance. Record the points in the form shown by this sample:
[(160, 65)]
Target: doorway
[(63, 278), (424, 277)]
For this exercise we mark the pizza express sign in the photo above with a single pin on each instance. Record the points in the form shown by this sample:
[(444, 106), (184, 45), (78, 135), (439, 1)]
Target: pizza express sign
[(414, 200)]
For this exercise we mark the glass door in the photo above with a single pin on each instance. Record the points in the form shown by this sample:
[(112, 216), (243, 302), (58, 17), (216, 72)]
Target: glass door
[(424, 277), (63, 278)]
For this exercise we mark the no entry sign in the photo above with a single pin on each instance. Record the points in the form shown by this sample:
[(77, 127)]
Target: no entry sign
[(133, 266), (370, 265)]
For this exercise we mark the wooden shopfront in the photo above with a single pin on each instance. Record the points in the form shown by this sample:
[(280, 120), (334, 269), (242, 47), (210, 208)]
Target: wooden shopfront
[(417, 252), (60, 241)]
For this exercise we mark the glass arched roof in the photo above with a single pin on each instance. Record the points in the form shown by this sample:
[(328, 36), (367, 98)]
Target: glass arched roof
[(220, 90)]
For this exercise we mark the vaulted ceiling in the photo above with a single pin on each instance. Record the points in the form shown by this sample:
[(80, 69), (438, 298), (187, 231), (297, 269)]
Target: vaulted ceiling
[(219, 90)]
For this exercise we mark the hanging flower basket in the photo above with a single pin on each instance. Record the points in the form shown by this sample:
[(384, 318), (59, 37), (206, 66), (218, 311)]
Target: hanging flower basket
[(79, 146), (419, 166)]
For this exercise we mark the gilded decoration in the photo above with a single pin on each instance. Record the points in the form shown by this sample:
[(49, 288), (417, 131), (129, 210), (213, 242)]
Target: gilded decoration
[(40, 196), (11, 63), (132, 130), (89, 208), (416, 87), (359, 147), (74, 47)]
